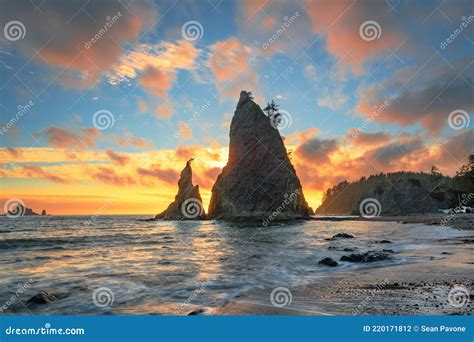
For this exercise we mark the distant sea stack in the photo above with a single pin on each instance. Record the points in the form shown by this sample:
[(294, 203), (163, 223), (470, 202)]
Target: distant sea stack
[(259, 180), (187, 204), (21, 210)]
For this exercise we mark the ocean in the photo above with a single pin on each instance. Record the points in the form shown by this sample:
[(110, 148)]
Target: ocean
[(122, 265)]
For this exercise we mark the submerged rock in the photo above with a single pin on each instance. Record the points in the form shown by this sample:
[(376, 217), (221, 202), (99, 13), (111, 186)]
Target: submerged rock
[(366, 257), (328, 262), (187, 204), (341, 236), (259, 182), (41, 298)]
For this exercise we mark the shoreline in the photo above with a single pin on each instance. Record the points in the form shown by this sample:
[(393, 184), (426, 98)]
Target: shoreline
[(418, 288), (459, 221)]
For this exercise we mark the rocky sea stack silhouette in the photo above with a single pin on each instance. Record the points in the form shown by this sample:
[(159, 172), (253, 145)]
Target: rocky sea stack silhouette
[(187, 204), (259, 182)]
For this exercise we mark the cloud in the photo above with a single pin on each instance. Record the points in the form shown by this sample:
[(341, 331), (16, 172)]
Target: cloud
[(317, 150), (166, 175), (66, 40), (185, 130), (109, 176), (229, 62), (157, 82), (339, 21), (165, 110), (426, 100), (393, 153), (64, 138), (36, 171), (127, 139), (14, 152), (361, 138), (120, 159), (165, 56)]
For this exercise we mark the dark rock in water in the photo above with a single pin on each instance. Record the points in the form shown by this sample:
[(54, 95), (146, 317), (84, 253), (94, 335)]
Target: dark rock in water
[(187, 204), (383, 241), (366, 257), (328, 262), (259, 182), (41, 298), (43, 213), (349, 249), (341, 236), (198, 311)]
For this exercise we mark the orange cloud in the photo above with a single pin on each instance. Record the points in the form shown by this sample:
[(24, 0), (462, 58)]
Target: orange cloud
[(128, 139), (64, 138), (361, 138), (185, 130), (165, 110), (36, 171), (164, 56), (157, 82), (109, 176), (75, 42), (340, 22), (166, 175), (120, 159), (229, 62)]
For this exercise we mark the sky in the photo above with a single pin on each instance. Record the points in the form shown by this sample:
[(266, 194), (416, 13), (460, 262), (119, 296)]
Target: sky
[(102, 102)]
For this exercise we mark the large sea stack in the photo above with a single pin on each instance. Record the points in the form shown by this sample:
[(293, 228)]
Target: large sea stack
[(259, 182), (187, 204)]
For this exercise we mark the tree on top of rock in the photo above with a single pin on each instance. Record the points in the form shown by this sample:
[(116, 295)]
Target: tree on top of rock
[(272, 112)]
